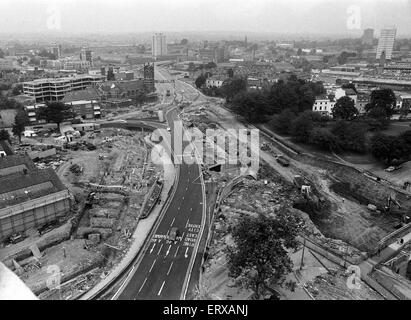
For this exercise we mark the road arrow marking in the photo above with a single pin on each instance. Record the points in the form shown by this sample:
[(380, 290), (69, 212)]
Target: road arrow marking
[(185, 254), (152, 248)]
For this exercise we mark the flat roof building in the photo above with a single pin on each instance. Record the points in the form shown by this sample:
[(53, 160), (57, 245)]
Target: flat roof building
[(159, 45), (29, 197), (54, 89), (386, 43)]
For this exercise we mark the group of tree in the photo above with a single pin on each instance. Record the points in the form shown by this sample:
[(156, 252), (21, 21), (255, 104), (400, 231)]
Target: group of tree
[(7, 103), (345, 109), (382, 104), (259, 257), (47, 54), (291, 97), (4, 135), (200, 81), (388, 148), (21, 120), (55, 112)]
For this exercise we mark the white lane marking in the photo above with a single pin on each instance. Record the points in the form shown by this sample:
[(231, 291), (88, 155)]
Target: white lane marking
[(186, 188), (187, 223), (185, 254), (183, 197), (160, 249), (169, 269), (168, 251), (143, 284), (175, 254), (152, 266), (182, 237), (178, 208), (152, 248), (191, 209), (161, 289), (172, 221)]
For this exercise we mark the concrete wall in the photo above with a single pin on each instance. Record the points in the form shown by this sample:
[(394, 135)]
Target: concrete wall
[(35, 213), (359, 186)]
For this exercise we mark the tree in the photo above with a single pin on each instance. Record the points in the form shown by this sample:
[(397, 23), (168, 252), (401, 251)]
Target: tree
[(17, 89), (259, 255), (231, 87), (200, 81), (20, 122), (4, 135), (250, 105), (345, 109), (349, 86), (230, 73), (281, 123), (110, 75), (382, 104), (184, 42), (302, 126), (381, 147), (299, 52), (323, 138), (56, 112), (1, 54), (210, 65), (350, 135)]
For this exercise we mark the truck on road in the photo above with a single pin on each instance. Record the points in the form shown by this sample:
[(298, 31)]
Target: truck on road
[(283, 161)]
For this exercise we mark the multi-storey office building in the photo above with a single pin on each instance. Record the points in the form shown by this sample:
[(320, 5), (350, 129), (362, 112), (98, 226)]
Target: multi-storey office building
[(54, 89), (386, 43)]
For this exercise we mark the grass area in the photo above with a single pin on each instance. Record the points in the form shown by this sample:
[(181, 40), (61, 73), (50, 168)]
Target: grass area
[(397, 127)]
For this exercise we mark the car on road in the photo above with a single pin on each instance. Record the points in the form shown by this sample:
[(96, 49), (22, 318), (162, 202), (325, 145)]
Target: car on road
[(174, 233), (392, 168), (168, 129)]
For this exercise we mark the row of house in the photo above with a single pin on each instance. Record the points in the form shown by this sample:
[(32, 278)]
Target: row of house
[(325, 104)]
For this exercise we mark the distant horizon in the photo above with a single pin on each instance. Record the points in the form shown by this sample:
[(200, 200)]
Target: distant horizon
[(210, 35), (319, 18)]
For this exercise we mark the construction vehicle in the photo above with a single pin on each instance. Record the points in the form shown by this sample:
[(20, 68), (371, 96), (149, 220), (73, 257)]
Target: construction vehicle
[(390, 201), (265, 146)]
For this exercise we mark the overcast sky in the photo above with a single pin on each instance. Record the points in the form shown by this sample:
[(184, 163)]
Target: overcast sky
[(277, 16)]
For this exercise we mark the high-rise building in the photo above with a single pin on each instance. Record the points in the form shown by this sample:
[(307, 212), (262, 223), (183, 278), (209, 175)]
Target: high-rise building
[(368, 37), (86, 55), (386, 43), (56, 50), (159, 45)]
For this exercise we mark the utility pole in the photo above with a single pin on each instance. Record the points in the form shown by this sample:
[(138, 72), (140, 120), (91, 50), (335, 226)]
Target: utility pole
[(302, 256)]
